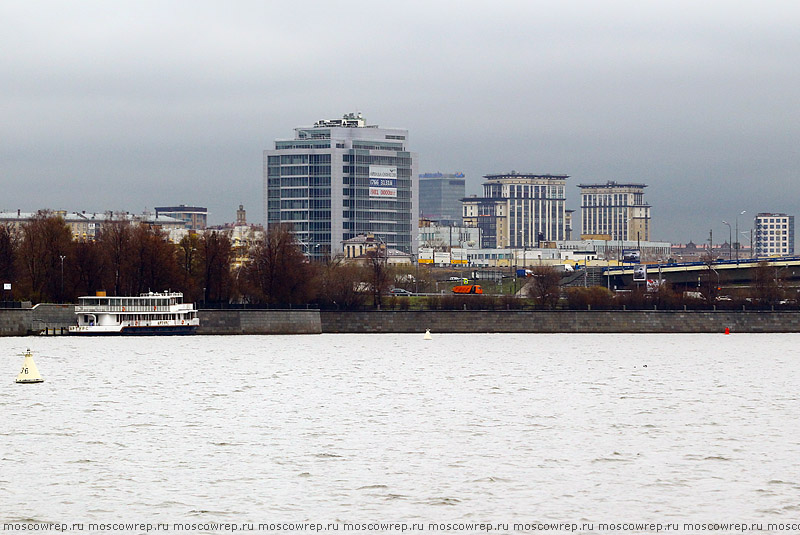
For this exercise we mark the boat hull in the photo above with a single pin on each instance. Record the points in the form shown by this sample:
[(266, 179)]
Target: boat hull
[(172, 330)]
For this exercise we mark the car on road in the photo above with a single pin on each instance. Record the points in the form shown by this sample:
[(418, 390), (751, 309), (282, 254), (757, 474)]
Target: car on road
[(400, 291)]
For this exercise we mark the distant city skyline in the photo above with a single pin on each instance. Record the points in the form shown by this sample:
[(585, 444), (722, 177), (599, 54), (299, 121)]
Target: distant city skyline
[(131, 105)]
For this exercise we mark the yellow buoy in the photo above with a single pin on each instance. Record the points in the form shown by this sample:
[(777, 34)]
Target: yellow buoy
[(427, 334), (29, 373)]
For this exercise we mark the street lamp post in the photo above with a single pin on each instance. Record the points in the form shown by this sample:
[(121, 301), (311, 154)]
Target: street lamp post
[(730, 239), (750, 233), (62, 257), (737, 235)]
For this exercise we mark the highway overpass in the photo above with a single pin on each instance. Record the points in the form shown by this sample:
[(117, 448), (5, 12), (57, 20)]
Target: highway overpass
[(726, 272)]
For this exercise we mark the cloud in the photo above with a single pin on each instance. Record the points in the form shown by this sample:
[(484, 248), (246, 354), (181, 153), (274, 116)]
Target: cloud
[(697, 100)]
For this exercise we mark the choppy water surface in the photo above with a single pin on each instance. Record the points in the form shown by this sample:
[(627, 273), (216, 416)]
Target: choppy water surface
[(338, 428)]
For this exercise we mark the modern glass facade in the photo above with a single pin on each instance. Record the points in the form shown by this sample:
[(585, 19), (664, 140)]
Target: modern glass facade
[(342, 178), (440, 197)]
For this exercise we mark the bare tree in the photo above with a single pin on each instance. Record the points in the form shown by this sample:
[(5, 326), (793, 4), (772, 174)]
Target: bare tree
[(767, 285), (46, 243), (88, 268), (8, 254), (544, 287), (278, 272), (152, 261), (189, 266), (709, 279), (377, 274), (215, 259), (339, 285), (115, 244)]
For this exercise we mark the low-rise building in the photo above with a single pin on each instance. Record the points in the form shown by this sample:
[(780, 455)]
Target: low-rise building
[(86, 226), (438, 236), (193, 217), (358, 247)]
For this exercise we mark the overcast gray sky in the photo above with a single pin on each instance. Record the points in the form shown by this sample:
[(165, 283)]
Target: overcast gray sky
[(130, 105)]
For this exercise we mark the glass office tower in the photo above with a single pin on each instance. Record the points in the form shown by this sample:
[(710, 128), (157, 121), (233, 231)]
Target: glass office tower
[(440, 197), (341, 178)]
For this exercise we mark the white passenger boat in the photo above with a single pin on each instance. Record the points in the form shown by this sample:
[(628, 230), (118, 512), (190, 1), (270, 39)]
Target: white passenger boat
[(149, 314)]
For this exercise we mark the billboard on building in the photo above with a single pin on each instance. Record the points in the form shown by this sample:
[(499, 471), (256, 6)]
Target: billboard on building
[(441, 258), (425, 255), (458, 256), (382, 181), (632, 256)]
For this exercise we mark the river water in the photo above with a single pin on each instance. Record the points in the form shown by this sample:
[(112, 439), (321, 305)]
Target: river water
[(367, 428)]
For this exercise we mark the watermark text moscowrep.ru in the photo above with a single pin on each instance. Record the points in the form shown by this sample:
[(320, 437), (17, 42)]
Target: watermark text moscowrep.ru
[(401, 527)]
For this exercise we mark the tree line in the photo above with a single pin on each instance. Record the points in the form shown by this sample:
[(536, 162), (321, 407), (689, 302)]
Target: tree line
[(43, 263)]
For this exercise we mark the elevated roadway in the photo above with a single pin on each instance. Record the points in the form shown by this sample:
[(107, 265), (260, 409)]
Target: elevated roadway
[(691, 273)]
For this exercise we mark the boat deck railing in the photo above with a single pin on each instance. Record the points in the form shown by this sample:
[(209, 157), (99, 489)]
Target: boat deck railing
[(93, 309)]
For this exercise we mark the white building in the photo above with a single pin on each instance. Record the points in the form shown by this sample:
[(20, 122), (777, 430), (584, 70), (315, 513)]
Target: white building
[(440, 237), (86, 226), (341, 178), (773, 235)]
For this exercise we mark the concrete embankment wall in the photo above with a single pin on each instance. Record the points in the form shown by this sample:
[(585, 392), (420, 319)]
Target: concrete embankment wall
[(20, 322), (259, 322), (56, 319), (15, 322), (24, 321), (559, 321)]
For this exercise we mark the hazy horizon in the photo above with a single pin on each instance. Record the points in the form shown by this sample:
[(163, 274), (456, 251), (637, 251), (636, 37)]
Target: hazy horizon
[(131, 105)]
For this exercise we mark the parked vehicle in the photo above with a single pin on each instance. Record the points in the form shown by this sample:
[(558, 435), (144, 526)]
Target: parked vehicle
[(468, 289), (400, 291)]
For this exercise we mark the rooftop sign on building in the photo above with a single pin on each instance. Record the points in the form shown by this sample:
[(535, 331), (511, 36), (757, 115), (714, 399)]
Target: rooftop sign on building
[(349, 120)]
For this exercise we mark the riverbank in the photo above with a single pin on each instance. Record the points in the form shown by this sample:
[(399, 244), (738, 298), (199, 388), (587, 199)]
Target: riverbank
[(55, 319)]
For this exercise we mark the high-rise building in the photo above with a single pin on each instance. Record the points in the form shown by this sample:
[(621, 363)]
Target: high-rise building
[(440, 197), (568, 224), (341, 178), (614, 211), (518, 210), (774, 235)]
